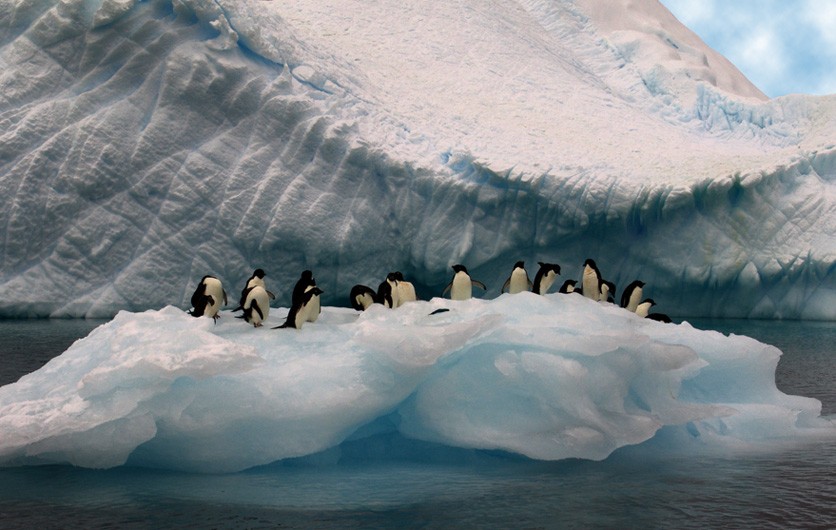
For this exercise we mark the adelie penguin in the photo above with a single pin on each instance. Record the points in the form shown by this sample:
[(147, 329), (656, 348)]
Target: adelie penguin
[(632, 295), (299, 312), (591, 280), (305, 283), (546, 276), (256, 280), (518, 281), (256, 305), (362, 297), (461, 286), (207, 298), (568, 287)]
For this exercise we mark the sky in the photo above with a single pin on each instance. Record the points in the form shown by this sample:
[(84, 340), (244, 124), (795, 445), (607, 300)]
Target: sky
[(782, 46)]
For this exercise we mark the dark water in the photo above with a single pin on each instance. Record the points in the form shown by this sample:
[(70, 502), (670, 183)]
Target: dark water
[(793, 488)]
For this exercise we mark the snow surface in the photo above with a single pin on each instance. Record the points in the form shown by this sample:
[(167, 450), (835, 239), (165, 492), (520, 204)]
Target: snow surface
[(145, 144), (549, 377)]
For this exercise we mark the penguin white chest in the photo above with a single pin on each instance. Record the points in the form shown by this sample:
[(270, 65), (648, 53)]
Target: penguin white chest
[(519, 281), (312, 308), (547, 281), (215, 289), (590, 283), (462, 288)]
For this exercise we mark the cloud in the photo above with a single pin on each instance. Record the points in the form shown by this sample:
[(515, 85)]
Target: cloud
[(782, 47)]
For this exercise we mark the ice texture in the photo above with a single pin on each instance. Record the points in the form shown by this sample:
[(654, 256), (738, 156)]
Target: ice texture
[(145, 144), (548, 377)]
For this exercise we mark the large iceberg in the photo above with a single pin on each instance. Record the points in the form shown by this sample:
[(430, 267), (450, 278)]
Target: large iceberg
[(144, 144), (548, 377)]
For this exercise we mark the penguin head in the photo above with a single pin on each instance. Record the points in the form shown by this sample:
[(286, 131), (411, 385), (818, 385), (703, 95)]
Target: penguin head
[(398, 276), (649, 301), (307, 275), (259, 273), (460, 268), (316, 291), (392, 276), (549, 267), (519, 265), (590, 263)]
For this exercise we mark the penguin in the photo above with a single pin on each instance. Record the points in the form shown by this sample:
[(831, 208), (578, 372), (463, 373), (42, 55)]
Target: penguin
[(632, 295), (643, 309), (362, 297), (406, 291), (607, 292), (568, 287), (518, 281), (384, 294), (306, 280), (298, 314), (206, 299), (591, 282), (256, 305), (660, 317), (461, 286), (545, 277), (257, 279)]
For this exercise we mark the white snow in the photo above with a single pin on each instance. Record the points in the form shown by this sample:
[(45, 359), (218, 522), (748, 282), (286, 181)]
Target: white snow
[(144, 145), (549, 377)]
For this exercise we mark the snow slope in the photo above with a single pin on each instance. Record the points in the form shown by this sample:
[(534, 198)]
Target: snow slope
[(145, 144), (548, 377)]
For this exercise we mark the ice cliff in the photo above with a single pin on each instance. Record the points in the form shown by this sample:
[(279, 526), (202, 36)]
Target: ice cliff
[(144, 144), (548, 377)]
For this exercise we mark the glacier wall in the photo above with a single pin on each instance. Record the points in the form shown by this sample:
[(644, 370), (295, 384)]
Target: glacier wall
[(145, 144)]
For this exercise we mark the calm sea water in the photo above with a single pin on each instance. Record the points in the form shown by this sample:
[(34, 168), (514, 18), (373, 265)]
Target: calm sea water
[(788, 489)]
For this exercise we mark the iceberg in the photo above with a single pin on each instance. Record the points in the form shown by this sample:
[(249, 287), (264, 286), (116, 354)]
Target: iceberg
[(145, 144), (546, 377)]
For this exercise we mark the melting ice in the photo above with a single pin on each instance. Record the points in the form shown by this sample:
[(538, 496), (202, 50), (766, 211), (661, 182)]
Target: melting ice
[(548, 377)]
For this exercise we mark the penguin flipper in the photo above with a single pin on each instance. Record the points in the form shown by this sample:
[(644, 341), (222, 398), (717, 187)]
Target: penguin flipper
[(257, 309), (447, 289), (226, 302), (504, 285), (477, 283), (271, 295)]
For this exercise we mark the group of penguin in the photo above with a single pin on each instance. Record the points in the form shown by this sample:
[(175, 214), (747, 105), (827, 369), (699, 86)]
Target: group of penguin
[(255, 300), (394, 291)]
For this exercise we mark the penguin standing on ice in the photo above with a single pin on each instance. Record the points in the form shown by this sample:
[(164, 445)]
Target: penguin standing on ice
[(545, 277), (406, 291), (518, 281), (305, 283), (591, 280), (632, 295), (298, 314), (362, 297), (568, 287), (207, 298), (461, 286), (256, 305), (257, 279)]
